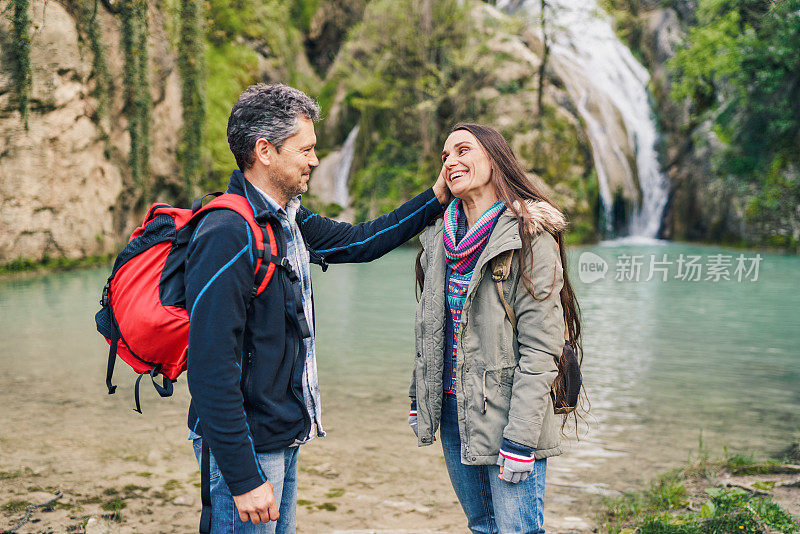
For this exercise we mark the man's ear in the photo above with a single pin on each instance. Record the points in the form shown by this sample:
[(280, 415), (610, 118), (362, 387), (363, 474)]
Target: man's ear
[(264, 151)]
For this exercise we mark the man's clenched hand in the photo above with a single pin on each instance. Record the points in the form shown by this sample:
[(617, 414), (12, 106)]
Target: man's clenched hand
[(257, 505)]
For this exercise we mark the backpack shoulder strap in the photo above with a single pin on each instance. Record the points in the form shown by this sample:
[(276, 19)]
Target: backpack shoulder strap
[(501, 269), (267, 258), (266, 253)]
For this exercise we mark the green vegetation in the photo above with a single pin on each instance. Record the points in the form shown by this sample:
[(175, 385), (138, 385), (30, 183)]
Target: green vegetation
[(745, 464), (335, 492), (402, 87), (392, 173), (19, 473), (302, 11), (136, 80), (232, 67), (172, 485), (244, 37), (693, 501), (16, 505), (740, 71), (21, 54), (131, 489), (628, 25), (192, 66), (328, 209), (90, 28), (47, 263), (725, 511), (115, 506)]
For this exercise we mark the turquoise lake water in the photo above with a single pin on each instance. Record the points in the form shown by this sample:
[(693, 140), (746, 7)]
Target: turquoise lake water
[(664, 360)]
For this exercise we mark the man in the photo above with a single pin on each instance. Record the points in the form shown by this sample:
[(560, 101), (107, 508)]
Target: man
[(251, 365)]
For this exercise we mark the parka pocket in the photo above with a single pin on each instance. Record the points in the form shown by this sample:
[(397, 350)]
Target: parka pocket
[(489, 411), (507, 378), (495, 384), (496, 381), (500, 380)]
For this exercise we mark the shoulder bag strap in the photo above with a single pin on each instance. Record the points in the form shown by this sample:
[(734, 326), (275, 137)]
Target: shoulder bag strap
[(501, 268)]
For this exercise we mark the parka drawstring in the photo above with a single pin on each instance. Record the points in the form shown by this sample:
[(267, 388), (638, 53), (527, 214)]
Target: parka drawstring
[(483, 410)]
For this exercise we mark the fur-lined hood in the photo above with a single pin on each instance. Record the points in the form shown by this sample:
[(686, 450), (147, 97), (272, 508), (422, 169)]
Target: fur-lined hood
[(541, 217)]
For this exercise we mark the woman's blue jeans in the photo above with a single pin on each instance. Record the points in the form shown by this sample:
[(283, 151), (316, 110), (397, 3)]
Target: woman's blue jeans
[(492, 505)]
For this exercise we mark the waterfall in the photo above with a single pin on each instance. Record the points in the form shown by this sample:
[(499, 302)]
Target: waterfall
[(341, 194), (609, 88)]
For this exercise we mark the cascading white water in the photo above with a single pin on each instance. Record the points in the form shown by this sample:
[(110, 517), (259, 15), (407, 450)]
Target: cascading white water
[(341, 176), (609, 88)]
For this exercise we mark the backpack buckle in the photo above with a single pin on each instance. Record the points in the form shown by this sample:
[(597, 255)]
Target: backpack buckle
[(104, 300), (286, 265)]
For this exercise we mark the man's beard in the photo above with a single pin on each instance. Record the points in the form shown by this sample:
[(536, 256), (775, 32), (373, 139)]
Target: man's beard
[(287, 185)]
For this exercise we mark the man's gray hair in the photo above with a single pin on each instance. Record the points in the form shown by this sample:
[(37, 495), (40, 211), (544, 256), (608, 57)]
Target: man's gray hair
[(271, 111)]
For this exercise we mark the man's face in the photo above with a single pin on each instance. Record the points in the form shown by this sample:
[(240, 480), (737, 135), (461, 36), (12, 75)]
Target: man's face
[(291, 166)]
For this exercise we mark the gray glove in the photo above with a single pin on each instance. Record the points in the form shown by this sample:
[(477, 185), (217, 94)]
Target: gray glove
[(412, 417), (515, 461)]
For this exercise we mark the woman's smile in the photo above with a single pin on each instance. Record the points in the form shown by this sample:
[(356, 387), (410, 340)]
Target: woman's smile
[(455, 175)]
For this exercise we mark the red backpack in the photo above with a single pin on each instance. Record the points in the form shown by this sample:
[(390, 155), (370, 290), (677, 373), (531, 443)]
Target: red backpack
[(144, 317)]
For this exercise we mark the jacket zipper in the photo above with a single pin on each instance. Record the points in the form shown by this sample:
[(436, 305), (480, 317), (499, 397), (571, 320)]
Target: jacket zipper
[(282, 246), (306, 415), (425, 367), (462, 332), (466, 410), (425, 373), (248, 380)]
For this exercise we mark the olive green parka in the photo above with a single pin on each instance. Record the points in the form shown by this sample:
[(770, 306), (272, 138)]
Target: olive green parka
[(502, 382)]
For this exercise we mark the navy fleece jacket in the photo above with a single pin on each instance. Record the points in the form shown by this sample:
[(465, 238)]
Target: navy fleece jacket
[(245, 360)]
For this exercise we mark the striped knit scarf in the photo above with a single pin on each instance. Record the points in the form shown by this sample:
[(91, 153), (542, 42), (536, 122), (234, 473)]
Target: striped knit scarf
[(463, 256)]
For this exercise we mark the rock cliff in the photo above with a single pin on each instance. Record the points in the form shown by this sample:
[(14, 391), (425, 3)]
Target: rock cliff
[(704, 205), (65, 186)]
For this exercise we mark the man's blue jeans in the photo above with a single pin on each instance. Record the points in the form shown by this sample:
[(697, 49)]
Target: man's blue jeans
[(492, 505), (281, 470)]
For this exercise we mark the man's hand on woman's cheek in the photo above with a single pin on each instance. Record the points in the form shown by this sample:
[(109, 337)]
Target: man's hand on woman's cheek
[(440, 189)]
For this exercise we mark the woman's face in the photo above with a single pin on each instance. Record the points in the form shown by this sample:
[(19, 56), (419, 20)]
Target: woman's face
[(467, 168)]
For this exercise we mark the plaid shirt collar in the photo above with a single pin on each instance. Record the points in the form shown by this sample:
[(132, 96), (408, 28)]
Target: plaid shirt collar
[(291, 206)]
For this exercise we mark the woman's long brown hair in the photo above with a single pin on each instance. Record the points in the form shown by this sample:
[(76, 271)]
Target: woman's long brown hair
[(514, 189)]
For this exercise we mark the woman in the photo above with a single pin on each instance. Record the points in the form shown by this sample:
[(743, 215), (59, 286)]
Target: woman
[(487, 389)]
